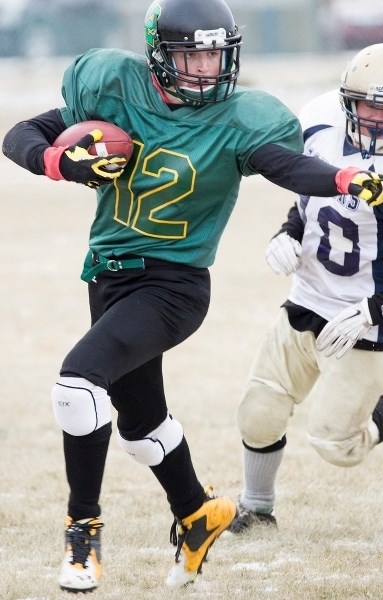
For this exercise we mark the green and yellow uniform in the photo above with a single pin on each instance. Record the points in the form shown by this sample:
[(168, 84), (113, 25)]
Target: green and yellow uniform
[(175, 196)]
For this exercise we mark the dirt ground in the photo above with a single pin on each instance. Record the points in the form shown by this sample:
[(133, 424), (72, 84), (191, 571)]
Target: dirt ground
[(43, 303)]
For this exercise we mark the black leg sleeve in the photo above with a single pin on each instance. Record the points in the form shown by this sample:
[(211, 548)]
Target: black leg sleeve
[(177, 476), (85, 458)]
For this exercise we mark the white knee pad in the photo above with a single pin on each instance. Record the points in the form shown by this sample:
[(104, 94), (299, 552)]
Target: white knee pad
[(79, 406), (152, 449)]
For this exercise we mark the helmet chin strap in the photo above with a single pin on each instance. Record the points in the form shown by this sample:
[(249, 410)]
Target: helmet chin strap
[(160, 89)]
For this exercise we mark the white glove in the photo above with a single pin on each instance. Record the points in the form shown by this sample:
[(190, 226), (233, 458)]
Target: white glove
[(343, 331), (283, 253)]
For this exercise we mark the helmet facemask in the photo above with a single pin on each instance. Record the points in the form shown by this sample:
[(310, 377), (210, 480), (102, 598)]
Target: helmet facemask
[(180, 82), (370, 143), (363, 81)]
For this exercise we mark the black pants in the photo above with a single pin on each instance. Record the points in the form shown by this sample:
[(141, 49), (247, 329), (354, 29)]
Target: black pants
[(136, 316)]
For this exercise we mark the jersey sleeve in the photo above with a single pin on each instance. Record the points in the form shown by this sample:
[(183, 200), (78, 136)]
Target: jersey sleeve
[(97, 84), (267, 121), (79, 97), (88, 82)]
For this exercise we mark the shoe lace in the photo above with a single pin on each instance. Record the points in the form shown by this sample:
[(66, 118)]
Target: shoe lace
[(177, 536), (79, 537), (173, 533)]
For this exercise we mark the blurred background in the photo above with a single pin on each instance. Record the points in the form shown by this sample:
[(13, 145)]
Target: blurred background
[(47, 28)]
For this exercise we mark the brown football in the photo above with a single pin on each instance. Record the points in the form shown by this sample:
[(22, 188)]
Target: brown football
[(114, 140)]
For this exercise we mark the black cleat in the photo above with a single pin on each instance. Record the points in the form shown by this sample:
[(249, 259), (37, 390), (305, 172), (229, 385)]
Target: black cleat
[(246, 519)]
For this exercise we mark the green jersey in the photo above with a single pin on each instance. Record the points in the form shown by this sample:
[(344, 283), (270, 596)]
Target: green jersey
[(180, 186)]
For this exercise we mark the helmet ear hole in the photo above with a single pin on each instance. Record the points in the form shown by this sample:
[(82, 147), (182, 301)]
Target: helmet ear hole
[(192, 27)]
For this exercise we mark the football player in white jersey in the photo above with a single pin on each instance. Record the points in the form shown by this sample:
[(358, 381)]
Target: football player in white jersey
[(331, 325)]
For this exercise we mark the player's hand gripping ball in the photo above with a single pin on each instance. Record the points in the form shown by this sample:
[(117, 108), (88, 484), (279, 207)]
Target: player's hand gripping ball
[(95, 152)]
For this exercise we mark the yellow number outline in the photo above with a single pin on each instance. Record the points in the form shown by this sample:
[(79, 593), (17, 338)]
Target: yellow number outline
[(138, 213)]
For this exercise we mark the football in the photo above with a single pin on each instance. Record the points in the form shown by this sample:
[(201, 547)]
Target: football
[(114, 140)]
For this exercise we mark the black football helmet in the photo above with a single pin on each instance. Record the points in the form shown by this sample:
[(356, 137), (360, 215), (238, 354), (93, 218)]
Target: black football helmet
[(192, 26), (363, 80)]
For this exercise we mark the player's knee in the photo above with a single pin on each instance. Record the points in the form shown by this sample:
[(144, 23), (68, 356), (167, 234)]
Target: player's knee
[(263, 414), (79, 406), (342, 453), (152, 449)]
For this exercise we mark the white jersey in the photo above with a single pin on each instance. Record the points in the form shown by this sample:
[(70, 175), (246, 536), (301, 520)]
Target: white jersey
[(342, 246)]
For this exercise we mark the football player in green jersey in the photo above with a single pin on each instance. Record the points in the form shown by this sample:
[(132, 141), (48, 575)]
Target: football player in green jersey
[(155, 233)]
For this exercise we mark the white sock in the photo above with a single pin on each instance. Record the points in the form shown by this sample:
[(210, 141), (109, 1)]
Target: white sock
[(260, 472)]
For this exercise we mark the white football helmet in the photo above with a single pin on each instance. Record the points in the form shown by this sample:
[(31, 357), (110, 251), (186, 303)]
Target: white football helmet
[(363, 80)]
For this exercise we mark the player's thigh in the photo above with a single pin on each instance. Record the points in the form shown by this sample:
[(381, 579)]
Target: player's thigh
[(282, 375), (346, 393), (133, 331)]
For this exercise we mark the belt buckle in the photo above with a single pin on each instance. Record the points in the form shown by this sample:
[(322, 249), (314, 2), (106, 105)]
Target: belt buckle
[(113, 265)]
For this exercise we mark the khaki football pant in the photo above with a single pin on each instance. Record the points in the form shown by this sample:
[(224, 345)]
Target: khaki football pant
[(287, 367)]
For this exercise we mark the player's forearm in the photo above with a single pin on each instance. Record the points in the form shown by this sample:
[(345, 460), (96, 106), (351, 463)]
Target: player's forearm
[(26, 142), (294, 226), (293, 171)]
